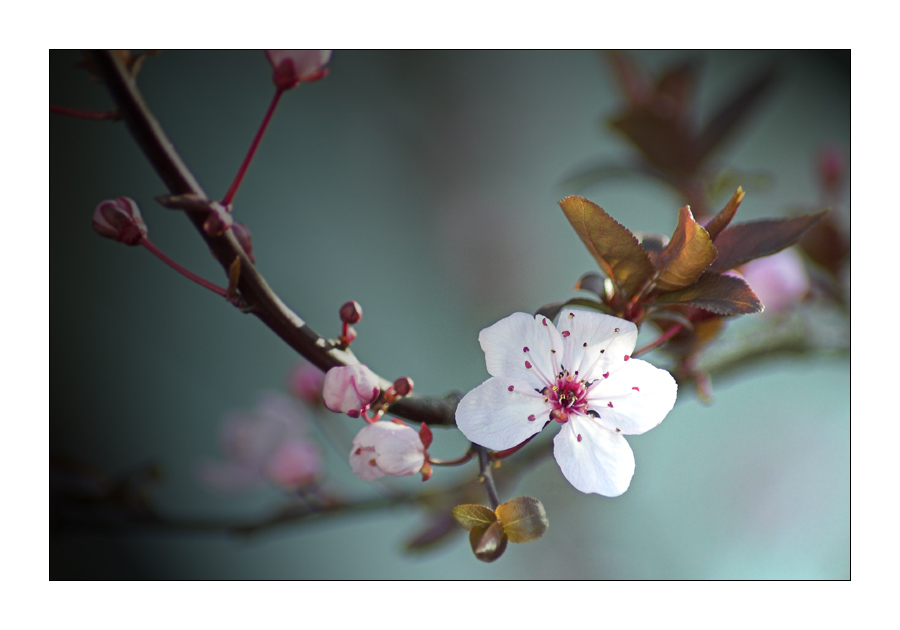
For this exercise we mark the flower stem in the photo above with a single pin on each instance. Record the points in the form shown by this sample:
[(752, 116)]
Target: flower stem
[(229, 196), (487, 478), (112, 114), (663, 338), (453, 462), (187, 274), (498, 455)]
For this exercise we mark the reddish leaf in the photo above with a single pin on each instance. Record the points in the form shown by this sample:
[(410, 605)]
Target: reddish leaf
[(686, 256), (630, 76), (612, 245), (675, 91), (724, 295), (747, 241), (726, 120), (488, 543), (667, 144), (721, 220)]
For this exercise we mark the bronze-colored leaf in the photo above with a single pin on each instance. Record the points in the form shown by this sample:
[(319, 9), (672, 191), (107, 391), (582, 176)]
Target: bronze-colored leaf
[(488, 543), (612, 245), (724, 295), (523, 519), (744, 242), (721, 220), (686, 256), (472, 515)]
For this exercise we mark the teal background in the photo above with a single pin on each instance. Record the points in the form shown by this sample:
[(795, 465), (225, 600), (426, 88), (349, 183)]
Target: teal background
[(424, 186)]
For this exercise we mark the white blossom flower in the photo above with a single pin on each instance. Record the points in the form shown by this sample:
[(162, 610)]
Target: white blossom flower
[(386, 448), (580, 374)]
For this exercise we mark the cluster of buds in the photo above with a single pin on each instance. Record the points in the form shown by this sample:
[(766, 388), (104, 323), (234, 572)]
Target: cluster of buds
[(381, 447), (351, 313)]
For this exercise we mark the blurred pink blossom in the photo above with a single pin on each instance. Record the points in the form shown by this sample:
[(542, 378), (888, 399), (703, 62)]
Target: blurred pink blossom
[(386, 448), (293, 67), (120, 219), (780, 280), (268, 444), (350, 389), (305, 381)]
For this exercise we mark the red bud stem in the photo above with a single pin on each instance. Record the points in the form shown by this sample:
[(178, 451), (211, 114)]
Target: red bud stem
[(663, 338), (229, 196), (187, 274)]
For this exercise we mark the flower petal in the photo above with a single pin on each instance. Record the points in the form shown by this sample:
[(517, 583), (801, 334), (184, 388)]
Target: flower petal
[(495, 417), (635, 398), (504, 346), (601, 462), (402, 453), (396, 448), (608, 340), (363, 464)]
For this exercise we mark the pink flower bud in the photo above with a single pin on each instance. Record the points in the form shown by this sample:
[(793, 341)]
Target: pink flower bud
[(350, 389), (351, 312), (294, 464), (305, 381), (293, 67), (403, 386), (386, 448), (120, 219)]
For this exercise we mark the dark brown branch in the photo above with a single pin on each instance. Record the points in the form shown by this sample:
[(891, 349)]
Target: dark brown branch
[(261, 300)]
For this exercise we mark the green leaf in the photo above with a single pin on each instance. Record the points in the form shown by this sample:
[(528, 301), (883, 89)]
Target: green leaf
[(488, 543), (744, 242), (686, 256), (612, 245), (471, 515), (724, 295), (523, 519), (721, 220)]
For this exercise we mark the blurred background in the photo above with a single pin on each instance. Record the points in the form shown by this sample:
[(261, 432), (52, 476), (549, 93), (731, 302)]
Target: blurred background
[(424, 185)]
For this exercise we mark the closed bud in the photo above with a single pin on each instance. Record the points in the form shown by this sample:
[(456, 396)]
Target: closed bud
[(403, 386), (351, 312), (120, 219), (293, 67), (350, 389)]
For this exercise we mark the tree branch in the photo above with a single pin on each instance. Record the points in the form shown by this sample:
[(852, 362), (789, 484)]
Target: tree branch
[(261, 299)]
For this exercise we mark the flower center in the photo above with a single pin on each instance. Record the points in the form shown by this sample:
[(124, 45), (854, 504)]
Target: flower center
[(567, 395)]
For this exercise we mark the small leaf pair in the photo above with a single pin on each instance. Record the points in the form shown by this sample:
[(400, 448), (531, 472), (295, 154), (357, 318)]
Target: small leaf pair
[(520, 520)]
